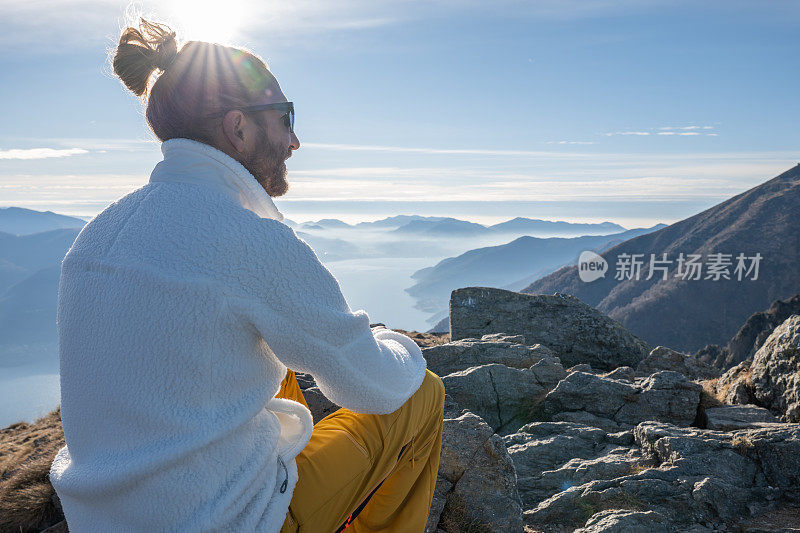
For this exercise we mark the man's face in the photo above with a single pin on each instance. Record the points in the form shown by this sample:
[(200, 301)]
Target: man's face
[(273, 145), (267, 162)]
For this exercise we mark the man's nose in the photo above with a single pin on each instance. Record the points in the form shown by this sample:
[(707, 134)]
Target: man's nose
[(295, 143)]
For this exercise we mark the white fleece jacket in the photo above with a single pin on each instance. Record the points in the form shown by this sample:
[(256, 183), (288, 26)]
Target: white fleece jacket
[(180, 307)]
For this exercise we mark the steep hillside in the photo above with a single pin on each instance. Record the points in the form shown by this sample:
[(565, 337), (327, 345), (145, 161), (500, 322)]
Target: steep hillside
[(689, 313)]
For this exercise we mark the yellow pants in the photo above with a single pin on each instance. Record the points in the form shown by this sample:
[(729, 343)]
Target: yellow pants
[(350, 455)]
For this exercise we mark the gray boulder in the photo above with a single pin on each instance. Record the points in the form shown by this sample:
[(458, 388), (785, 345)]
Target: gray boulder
[(624, 373), (548, 457), (502, 349), (500, 395), (735, 386), (662, 358), (772, 380), (625, 521), (477, 477), (665, 396), (733, 417), (576, 332), (776, 371), (319, 404)]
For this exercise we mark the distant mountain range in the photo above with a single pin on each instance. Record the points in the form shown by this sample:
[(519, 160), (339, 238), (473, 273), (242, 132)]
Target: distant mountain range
[(452, 227), (23, 255), (509, 266), (35, 242), (687, 314), (443, 228), (30, 266), (21, 221), (416, 225)]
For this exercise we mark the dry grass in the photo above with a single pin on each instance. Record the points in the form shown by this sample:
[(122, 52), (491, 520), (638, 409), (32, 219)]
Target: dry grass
[(23, 442), (778, 518), (26, 453), (710, 386), (457, 519), (742, 442), (426, 340), (638, 469), (708, 395)]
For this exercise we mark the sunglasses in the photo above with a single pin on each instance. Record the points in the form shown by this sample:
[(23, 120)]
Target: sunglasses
[(287, 108)]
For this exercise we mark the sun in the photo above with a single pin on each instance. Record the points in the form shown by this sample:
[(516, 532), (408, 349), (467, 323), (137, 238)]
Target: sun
[(208, 20)]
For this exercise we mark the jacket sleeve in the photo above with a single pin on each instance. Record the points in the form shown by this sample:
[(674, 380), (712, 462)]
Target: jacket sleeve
[(295, 304)]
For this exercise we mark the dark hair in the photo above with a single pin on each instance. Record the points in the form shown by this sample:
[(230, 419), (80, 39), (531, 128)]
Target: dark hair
[(196, 80)]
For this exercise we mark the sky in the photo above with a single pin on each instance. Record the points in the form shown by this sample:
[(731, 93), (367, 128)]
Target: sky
[(631, 111)]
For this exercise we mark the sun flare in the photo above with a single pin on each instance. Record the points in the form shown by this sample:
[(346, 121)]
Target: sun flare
[(208, 20)]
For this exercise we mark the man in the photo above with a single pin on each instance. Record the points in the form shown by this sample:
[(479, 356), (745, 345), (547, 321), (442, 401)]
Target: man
[(180, 308)]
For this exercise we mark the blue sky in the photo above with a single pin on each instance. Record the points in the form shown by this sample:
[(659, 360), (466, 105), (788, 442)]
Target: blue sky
[(585, 110)]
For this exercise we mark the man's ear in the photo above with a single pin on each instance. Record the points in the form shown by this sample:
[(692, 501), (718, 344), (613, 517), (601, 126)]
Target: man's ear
[(233, 127)]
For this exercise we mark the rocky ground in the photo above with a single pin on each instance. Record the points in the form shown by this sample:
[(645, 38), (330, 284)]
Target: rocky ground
[(564, 436)]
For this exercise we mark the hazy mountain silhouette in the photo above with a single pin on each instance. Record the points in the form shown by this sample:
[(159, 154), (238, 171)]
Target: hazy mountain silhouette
[(325, 223), (21, 256), (21, 221), (28, 310), (500, 266), (450, 227), (688, 314), (330, 249), (396, 221), (537, 226)]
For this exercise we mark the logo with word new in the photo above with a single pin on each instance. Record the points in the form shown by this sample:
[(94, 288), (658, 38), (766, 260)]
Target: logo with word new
[(591, 266)]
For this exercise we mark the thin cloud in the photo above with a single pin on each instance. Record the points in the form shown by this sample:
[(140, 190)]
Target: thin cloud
[(439, 151), (40, 153), (597, 177), (686, 128), (689, 131)]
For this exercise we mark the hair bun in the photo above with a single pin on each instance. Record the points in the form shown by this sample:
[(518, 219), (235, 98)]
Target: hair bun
[(141, 51), (166, 52)]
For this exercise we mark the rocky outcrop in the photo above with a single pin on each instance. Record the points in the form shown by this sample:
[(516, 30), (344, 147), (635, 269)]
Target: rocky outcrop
[(477, 482), (552, 456), (734, 417), (500, 395), (751, 335), (508, 350), (688, 314), (696, 478), (772, 379), (615, 404), (735, 386), (619, 521), (662, 358), (576, 332), (588, 448)]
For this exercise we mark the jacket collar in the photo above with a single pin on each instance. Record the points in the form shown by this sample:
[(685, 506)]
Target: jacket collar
[(188, 161)]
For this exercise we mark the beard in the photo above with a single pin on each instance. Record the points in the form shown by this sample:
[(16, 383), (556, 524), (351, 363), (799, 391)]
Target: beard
[(268, 165)]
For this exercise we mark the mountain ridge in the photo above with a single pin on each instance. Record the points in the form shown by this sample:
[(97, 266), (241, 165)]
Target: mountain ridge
[(699, 312)]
